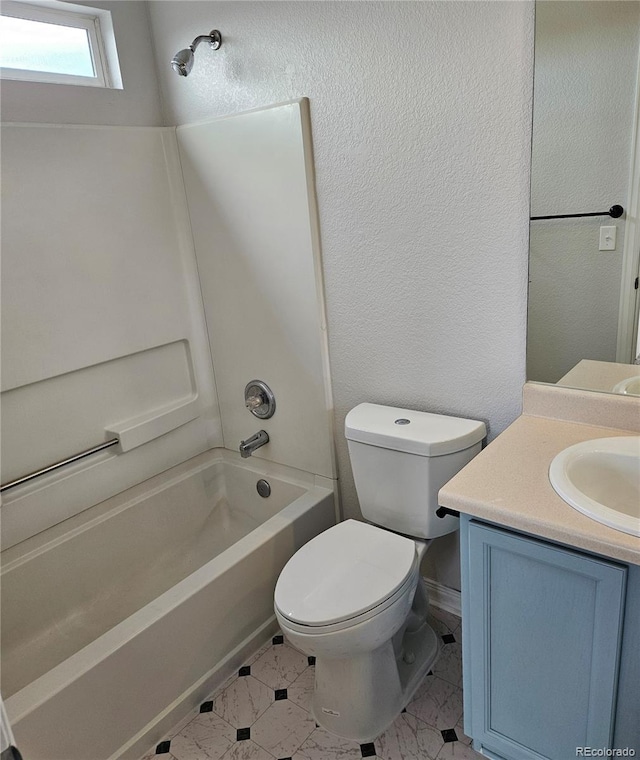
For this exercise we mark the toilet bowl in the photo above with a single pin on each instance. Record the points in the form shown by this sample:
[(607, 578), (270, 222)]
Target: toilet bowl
[(353, 596), (347, 597)]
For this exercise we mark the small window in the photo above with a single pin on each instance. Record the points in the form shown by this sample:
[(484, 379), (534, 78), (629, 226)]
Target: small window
[(57, 42)]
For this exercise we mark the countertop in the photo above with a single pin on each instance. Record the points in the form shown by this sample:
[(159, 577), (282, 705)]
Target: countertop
[(508, 484), (598, 376)]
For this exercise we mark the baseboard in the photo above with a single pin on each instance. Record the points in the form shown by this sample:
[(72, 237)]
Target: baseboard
[(445, 598)]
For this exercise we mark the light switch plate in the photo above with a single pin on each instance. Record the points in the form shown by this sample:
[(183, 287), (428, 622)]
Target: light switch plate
[(608, 238)]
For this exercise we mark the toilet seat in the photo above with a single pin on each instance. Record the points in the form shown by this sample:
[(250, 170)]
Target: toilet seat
[(347, 574), (289, 625)]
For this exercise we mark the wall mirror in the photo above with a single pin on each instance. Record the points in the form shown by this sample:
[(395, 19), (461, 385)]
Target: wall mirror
[(583, 295)]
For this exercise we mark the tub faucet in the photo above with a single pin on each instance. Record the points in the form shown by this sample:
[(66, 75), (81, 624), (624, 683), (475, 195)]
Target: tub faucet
[(251, 444)]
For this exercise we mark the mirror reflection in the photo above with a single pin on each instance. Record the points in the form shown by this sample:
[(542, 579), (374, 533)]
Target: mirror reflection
[(583, 296)]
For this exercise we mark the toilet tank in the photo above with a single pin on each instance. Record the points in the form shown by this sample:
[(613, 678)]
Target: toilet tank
[(400, 460)]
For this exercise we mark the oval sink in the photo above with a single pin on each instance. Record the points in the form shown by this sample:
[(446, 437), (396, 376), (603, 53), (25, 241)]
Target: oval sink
[(601, 479), (630, 386)]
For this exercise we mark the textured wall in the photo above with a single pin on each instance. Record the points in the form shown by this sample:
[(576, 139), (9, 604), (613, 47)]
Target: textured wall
[(421, 115), (137, 104), (585, 83)]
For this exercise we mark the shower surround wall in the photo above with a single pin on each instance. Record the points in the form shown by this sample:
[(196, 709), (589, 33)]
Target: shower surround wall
[(421, 116), (103, 323), (251, 198), (102, 320)]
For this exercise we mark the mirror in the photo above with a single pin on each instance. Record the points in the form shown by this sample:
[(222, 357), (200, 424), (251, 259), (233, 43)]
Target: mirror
[(583, 303)]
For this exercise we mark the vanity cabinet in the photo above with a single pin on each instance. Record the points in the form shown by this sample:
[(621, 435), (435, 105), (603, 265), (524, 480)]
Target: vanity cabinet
[(542, 642)]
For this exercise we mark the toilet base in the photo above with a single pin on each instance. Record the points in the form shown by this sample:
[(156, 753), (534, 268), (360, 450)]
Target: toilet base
[(359, 697)]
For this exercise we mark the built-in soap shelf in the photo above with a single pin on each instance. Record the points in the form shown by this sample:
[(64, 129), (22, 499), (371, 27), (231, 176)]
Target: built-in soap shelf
[(138, 430)]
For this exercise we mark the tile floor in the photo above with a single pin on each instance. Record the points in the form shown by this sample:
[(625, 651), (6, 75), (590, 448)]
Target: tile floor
[(263, 713)]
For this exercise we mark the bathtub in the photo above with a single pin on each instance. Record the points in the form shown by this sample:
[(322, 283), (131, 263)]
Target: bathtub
[(121, 620)]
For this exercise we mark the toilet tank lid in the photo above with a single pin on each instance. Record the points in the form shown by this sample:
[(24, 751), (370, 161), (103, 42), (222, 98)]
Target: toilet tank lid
[(405, 430)]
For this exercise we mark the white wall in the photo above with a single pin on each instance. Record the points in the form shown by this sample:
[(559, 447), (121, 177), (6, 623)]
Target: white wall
[(102, 320), (137, 104), (421, 115), (249, 185), (585, 83)]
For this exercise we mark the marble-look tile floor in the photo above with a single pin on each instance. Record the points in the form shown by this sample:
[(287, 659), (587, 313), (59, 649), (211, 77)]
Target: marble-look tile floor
[(263, 713)]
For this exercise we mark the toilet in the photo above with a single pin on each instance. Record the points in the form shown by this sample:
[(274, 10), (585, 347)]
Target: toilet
[(353, 597)]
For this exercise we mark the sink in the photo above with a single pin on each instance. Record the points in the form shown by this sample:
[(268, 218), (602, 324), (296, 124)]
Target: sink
[(630, 386), (601, 479)]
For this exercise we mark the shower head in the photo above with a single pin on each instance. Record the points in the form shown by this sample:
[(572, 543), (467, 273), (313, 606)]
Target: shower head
[(182, 62)]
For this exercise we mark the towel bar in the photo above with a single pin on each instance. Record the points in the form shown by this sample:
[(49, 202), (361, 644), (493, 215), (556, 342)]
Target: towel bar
[(615, 212)]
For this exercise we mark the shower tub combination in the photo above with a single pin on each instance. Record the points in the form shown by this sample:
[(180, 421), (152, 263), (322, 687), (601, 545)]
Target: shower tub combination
[(105, 649)]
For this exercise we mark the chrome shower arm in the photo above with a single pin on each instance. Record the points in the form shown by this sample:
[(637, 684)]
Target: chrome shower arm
[(213, 38)]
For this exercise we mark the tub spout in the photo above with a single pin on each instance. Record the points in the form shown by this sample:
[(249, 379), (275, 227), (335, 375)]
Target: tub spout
[(251, 444)]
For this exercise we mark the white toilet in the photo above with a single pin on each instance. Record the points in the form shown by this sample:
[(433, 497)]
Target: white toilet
[(352, 597)]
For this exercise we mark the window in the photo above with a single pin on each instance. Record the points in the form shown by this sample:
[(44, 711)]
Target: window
[(57, 42)]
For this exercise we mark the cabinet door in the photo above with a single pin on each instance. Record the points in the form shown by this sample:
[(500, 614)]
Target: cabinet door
[(542, 642)]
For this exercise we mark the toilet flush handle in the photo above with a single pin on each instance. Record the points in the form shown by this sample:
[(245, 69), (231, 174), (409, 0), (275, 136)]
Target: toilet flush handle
[(444, 511)]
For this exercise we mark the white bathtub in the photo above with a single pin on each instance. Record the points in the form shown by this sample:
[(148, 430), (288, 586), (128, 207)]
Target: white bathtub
[(119, 621)]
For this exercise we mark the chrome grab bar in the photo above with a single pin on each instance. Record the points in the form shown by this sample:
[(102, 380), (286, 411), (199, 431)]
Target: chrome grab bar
[(61, 463)]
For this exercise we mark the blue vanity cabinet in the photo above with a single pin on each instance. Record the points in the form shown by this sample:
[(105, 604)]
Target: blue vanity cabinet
[(542, 631)]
